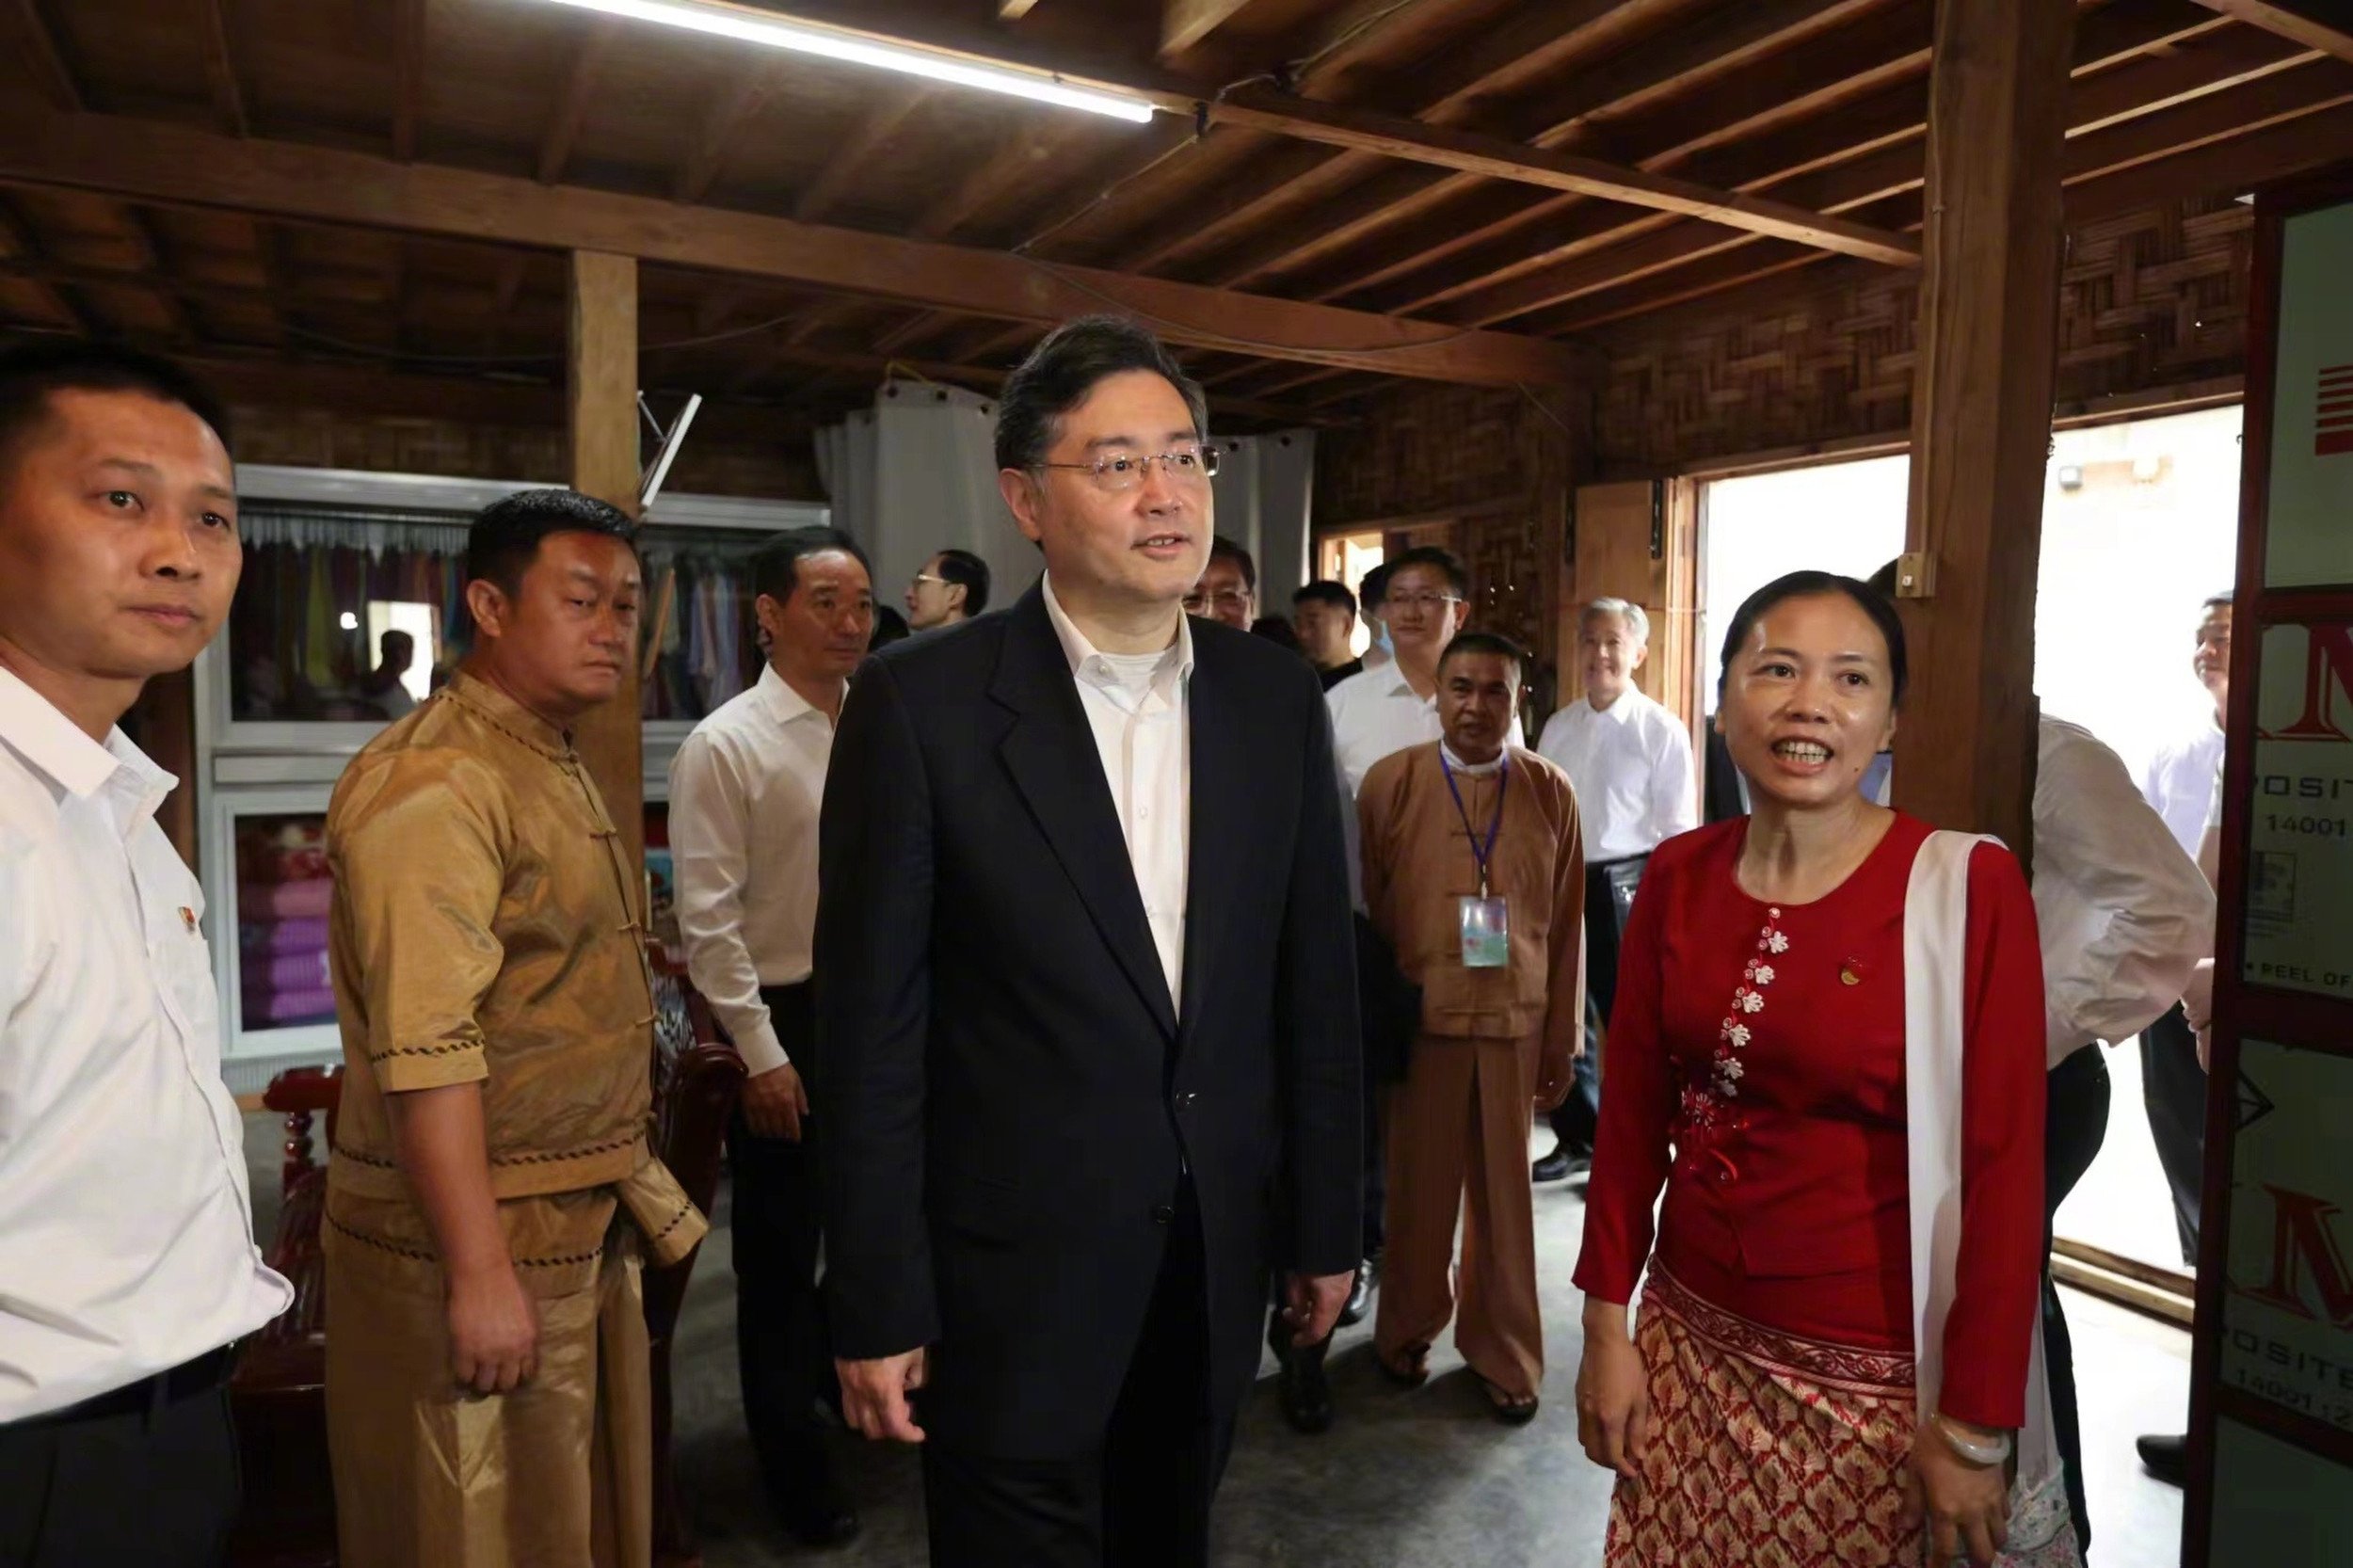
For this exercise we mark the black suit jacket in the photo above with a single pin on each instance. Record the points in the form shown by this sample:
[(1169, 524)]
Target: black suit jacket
[(1010, 1101)]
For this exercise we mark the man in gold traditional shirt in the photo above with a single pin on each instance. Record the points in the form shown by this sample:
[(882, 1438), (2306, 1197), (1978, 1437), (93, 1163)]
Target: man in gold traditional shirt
[(1475, 872), (491, 1188)]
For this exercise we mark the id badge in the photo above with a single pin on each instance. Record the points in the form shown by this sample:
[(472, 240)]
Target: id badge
[(1486, 933)]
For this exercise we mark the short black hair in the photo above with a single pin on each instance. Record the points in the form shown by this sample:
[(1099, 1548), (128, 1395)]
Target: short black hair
[(776, 565), (967, 571), (31, 372), (504, 538), (1223, 549), (1275, 628), (1809, 585), (1374, 585), (1485, 642), (1436, 557), (889, 627), (1064, 367), (1324, 591)]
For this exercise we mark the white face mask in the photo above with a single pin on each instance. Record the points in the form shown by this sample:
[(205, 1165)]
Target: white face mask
[(1381, 640)]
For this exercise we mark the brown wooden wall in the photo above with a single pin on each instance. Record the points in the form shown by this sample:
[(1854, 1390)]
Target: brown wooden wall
[(2155, 298)]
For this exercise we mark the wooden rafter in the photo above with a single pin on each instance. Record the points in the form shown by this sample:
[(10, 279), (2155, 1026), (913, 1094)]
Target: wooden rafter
[(22, 255), (1186, 23), (1015, 160), (2321, 24), (572, 105), (144, 160), (408, 75), (152, 268), (721, 130), (880, 122), (220, 65)]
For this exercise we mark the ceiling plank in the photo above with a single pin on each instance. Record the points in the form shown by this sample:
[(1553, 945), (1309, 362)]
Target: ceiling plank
[(881, 122), (2300, 21), (408, 75), (723, 129), (1496, 158), (36, 46), (22, 254), (176, 164), (571, 105), (1029, 144), (139, 228), (1186, 23), (220, 65)]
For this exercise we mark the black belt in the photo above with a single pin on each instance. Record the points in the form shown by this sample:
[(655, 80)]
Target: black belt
[(187, 1381)]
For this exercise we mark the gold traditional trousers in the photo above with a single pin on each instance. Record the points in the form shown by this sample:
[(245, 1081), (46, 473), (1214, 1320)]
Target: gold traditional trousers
[(1457, 1128), (484, 933)]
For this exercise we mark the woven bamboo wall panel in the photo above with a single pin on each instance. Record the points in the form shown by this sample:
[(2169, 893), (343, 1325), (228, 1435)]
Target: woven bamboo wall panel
[(2150, 299)]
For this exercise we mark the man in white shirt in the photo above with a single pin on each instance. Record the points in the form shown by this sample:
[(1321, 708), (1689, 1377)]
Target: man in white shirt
[(1630, 761), (1396, 705), (127, 1263), (745, 792), (951, 588), (1228, 589)]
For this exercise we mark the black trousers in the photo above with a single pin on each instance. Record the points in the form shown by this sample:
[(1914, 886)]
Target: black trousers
[(142, 1478), (2173, 1087), (1142, 1499), (783, 1349), (2075, 1126), (1609, 889)]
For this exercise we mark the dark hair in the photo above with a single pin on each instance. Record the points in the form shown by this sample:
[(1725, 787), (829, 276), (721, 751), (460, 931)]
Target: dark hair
[(889, 627), (1484, 642), (1223, 549), (967, 571), (776, 565), (31, 372), (1275, 628), (2217, 601), (504, 538), (1325, 591), (1064, 367), (1374, 585), (1430, 555), (1809, 585)]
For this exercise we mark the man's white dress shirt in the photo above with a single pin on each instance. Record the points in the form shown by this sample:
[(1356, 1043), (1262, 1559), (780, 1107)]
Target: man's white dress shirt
[(2125, 914), (2180, 783), (1377, 713), (1631, 765), (1139, 706), (744, 791), (126, 1231)]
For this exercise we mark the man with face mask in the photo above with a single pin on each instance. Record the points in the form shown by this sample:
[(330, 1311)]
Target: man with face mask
[(1630, 761)]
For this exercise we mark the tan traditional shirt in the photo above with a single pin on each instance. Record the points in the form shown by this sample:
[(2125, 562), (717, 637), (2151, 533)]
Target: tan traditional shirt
[(1418, 865), (483, 931)]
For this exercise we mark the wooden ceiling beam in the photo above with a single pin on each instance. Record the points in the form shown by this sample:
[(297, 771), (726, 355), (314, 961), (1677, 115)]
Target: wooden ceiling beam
[(721, 130), (408, 75), (2303, 21), (220, 65), (1493, 157), (147, 161), (572, 105), (23, 255), (1186, 23), (1028, 145), (883, 116)]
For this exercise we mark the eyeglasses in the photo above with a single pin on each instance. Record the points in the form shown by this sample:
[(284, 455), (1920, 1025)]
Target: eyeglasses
[(927, 577), (1225, 598), (1117, 471), (1420, 602)]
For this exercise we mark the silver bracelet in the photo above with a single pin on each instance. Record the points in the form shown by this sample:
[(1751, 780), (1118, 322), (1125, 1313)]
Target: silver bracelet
[(1971, 1449)]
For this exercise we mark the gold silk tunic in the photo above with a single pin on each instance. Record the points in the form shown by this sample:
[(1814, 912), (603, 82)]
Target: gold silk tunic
[(482, 932)]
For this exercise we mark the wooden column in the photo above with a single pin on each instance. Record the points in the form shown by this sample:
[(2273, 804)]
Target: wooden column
[(601, 398), (1638, 540), (1982, 411)]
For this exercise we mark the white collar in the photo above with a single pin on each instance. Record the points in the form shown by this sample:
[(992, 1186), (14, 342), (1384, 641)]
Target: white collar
[(37, 730), (1624, 710), (1085, 658), (1473, 769), (785, 704)]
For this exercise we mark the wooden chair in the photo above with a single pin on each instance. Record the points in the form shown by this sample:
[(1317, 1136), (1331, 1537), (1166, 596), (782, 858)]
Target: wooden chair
[(279, 1389)]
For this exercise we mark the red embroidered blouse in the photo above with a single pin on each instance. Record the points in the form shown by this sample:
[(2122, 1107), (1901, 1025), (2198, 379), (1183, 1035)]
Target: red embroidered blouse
[(1756, 1066)]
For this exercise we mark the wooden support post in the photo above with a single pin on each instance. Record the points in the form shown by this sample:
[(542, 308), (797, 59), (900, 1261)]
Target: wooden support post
[(1981, 410), (602, 396)]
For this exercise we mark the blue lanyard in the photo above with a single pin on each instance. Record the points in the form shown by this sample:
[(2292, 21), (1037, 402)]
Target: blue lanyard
[(1481, 852)]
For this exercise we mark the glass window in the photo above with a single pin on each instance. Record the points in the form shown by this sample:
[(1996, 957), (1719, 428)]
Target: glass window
[(284, 890)]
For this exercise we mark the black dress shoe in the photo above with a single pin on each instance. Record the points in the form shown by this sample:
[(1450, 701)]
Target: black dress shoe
[(1562, 1163), (1307, 1395), (2167, 1458), (1359, 1297), (818, 1513)]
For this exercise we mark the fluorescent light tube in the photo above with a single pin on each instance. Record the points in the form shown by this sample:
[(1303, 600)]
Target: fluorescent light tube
[(748, 26)]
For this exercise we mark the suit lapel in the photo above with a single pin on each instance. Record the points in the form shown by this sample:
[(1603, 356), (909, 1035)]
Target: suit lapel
[(1052, 756), (1220, 781)]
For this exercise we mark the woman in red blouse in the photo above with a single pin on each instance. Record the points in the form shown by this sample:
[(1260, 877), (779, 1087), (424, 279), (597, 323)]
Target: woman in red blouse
[(1756, 1071)]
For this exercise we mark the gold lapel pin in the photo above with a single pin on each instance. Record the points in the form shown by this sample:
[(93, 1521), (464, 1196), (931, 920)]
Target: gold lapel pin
[(187, 917), (1850, 973)]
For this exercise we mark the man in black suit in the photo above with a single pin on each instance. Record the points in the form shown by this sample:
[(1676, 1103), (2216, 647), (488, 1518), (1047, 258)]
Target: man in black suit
[(1088, 1045)]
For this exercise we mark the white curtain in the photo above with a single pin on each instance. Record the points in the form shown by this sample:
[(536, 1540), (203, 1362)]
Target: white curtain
[(916, 474), (1265, 497)]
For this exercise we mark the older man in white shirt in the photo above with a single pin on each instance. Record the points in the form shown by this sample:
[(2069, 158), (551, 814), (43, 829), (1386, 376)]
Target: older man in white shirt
[(127, 1263), (745, 792), (1630, 761)]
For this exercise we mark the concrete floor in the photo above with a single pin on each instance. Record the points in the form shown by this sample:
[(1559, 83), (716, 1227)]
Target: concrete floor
[(1404, 1480)]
